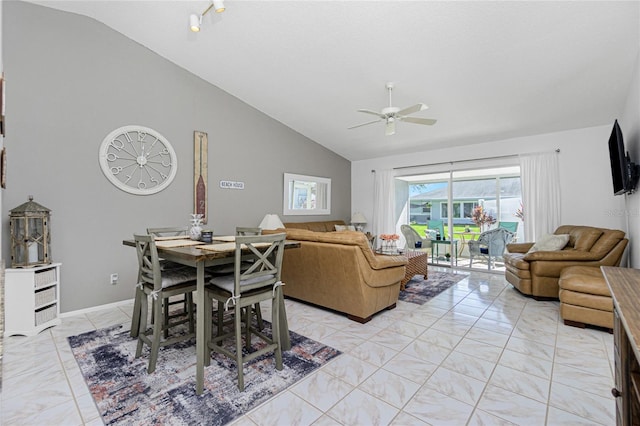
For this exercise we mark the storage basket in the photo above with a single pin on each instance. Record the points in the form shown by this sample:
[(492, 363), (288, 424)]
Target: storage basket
[(46, 314), (45, 277), (45, 296)]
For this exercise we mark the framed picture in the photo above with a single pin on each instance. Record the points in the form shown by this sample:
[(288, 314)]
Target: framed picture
[(3, 168)]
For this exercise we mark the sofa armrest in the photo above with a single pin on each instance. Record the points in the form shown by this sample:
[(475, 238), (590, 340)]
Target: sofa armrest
[(519, 247), (383, 261), (562, 255)]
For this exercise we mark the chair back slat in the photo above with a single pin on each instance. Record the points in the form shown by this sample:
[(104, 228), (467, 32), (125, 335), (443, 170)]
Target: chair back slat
[(267, 264), (148, 260), (244, 230)]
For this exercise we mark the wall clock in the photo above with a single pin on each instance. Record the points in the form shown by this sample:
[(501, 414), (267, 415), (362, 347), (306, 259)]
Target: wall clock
[(138, 160)]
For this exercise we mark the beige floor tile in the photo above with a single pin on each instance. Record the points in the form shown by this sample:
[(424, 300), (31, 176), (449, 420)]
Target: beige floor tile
[(389, 387), (371, 411), (512, 407)]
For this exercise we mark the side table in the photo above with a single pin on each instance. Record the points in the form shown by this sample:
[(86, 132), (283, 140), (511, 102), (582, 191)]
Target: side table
[(435, 244), (417, 266)]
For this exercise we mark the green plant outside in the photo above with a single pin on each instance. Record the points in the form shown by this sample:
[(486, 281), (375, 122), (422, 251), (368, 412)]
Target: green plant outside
[(456, 229)]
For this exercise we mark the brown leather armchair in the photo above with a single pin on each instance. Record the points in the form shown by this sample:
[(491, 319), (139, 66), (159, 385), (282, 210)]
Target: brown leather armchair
[(537, 273)]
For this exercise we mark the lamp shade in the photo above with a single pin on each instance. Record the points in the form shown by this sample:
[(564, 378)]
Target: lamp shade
[(358, 218), (271, 221)]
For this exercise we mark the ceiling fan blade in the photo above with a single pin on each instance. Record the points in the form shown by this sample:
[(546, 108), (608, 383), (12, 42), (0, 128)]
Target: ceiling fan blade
[(412, 109), (368, 111), (363, 124), (391, 128), (418, 120)]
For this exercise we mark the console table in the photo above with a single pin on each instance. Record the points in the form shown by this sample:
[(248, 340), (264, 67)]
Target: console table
[(624, 284)]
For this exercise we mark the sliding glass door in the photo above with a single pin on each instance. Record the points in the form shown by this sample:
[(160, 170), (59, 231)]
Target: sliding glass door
[(467, 203)]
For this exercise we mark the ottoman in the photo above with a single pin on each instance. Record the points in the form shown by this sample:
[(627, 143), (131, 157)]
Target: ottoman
[(417, 266), (585, 297)]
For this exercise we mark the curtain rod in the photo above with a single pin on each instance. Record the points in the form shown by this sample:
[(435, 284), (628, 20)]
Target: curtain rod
[(557, 150)]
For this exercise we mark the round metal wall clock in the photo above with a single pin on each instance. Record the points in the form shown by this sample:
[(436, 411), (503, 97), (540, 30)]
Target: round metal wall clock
[(138, 160)]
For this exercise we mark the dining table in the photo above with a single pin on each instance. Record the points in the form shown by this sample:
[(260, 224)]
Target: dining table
[(193, 254)]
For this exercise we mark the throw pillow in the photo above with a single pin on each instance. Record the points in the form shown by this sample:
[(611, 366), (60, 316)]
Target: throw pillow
[(345, 227), (550, 242)]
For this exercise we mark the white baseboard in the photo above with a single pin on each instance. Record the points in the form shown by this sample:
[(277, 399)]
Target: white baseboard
[(95, 308)]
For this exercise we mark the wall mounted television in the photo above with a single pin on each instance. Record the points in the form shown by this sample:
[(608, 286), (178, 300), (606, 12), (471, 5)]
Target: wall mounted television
[(623, 171)]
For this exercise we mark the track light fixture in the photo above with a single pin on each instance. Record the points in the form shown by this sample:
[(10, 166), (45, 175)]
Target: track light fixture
[(196, 20)]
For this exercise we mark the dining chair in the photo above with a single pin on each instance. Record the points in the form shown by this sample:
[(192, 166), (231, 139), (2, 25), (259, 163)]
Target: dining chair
[(186, 299), (227, 269), (242, 289), (159, 285)]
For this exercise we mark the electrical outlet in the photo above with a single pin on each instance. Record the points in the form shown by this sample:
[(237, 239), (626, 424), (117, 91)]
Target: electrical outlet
[(114, 279)]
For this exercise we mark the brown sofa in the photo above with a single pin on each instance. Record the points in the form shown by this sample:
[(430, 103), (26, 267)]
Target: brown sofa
[(339, 271), (537, 273)]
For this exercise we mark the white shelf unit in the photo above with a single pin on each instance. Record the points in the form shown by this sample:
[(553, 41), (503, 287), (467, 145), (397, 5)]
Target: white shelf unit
[(32, 299)]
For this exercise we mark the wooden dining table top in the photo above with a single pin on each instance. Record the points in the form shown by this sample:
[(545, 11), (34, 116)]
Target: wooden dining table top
[(194, 253)]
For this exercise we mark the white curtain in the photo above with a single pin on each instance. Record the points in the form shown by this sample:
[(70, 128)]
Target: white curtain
[(384, 201), (540, 178)]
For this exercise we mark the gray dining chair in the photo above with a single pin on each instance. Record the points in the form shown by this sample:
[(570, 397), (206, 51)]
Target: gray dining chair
[(159, 285), (246, 263), (239, 291), (187, 299)]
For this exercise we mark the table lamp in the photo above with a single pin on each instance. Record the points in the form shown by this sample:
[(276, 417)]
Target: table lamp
[(271, 221), (358, 220)]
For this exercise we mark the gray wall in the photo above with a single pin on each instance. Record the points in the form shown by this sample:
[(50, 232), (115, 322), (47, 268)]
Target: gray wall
[(71, 80)]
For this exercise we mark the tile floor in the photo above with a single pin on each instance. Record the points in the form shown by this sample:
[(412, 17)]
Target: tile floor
[(478, 354)]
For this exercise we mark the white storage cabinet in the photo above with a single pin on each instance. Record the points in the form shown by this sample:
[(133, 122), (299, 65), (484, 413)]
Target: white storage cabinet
[(32, 299)]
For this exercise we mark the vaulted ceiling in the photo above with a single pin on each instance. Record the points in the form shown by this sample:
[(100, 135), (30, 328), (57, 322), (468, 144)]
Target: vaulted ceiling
[(489, 70)]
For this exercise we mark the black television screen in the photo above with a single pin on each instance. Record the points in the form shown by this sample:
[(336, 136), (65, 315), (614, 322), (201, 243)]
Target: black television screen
[(618, 160), (623, 172)]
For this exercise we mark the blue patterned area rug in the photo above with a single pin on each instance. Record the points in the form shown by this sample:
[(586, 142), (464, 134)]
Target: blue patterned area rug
[(419, 290), (126, 395)]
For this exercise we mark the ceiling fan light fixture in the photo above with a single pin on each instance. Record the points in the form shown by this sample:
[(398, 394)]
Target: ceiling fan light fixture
[(391, 114), (194, 22)]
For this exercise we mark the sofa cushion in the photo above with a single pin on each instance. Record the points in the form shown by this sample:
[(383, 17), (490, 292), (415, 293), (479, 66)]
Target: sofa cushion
[(583, 238), (324, 226), (550, 242), (584, 279)]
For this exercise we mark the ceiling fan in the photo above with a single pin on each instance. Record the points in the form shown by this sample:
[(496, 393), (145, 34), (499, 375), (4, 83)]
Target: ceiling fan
[(392, 114)]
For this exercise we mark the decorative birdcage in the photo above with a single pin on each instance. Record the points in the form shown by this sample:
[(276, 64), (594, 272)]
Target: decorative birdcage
[(30, 238)]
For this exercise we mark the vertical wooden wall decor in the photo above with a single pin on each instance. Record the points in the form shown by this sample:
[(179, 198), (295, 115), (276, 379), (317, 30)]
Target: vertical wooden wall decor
[(200, 197), (2, 96)]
